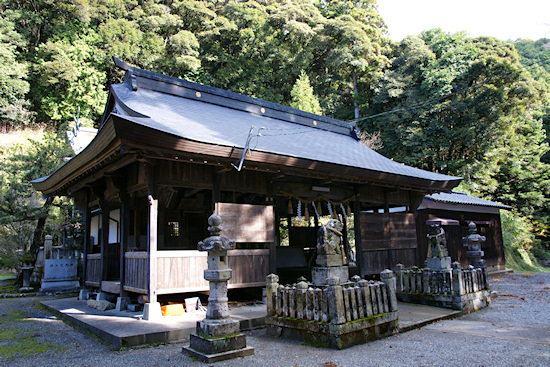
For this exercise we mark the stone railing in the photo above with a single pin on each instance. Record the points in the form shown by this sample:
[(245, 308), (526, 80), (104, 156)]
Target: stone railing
[(336, 303), (446, 287)]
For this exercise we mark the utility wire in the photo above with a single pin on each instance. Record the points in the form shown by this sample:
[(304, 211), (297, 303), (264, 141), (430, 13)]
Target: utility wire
[(422, 104)]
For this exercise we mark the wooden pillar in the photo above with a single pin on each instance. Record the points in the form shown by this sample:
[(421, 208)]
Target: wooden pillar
[(104, 240), (216, 190), (87, 219), (124, 233), (152, 225), (152, 228), (357, 229), (386, 202)]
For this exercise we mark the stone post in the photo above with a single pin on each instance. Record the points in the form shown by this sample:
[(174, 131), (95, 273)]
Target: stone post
[(271, 294), (387, 277), (301, 298), (399, 277), (426, 280), (336, 299), (365, 289), (48, 245), (217, 337), (457, 279)]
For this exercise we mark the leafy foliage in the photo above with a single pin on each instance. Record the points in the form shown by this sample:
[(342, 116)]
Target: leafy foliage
[(443, 102), (303, 97), (25, 156)]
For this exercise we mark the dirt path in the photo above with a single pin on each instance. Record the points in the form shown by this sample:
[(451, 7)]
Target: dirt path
[(514, 331)]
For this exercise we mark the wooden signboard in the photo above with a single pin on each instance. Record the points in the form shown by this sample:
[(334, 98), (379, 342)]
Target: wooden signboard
[(247, 223)]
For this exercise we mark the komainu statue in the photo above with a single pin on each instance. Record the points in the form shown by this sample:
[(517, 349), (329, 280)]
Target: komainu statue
[(437, 243), (329, 238)]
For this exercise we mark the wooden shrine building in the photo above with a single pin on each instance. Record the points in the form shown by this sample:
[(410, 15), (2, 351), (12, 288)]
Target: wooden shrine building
[(454, 211), (168, 152)]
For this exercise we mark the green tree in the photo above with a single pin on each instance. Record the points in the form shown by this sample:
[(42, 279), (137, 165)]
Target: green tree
[(70, 75), (355, 43), (14, 106), (303, 97), (26, 155)]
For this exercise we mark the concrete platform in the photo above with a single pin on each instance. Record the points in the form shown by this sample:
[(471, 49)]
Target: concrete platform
[(125, 328), (413, 316)]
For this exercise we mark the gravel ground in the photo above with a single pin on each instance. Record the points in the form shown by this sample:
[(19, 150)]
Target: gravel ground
[(513, 331)]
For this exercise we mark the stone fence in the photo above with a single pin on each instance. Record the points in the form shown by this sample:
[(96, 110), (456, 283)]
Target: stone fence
[(345, 314), (457, 288)]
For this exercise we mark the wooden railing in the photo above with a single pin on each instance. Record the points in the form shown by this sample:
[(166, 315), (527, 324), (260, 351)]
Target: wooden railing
[(93, 269), (183, 271), (136, 272)]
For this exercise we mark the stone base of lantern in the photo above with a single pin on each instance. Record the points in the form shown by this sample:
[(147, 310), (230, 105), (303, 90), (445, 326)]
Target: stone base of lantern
[(217, 340), (215, 349)]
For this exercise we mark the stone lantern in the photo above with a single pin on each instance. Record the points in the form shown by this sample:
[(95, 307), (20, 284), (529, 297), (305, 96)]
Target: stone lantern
[(217, 337), (473, 241)]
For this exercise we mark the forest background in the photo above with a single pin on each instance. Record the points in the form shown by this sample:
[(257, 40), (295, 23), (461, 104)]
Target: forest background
[(471, 107)]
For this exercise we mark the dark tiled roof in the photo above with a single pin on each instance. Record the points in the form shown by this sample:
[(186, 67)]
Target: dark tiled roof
[(456, 197), (210, 115)]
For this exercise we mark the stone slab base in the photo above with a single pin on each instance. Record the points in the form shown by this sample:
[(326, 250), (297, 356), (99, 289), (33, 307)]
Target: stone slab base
[(335, 336), (59, 285), (467, 303), (320, 274), (211, 350)]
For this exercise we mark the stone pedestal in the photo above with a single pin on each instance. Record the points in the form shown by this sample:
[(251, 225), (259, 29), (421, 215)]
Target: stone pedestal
[(217, 337), (152, 311), (27, 271), (438, 263), (321, 274), (122, 303)]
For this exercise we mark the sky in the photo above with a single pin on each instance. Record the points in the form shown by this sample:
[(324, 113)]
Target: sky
[(503, 19)]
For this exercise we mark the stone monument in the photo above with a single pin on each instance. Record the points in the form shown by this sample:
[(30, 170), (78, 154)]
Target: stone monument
[(60, 268), (438, 256), (473, 242), (329, 260), (217, 337)]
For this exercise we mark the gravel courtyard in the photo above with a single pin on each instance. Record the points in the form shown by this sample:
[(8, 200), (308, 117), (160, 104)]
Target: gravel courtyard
[(514, 331)]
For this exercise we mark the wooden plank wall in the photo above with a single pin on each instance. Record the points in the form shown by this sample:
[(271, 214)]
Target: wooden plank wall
[(387, 240), (183, 271), (247, 223), (93, 269)]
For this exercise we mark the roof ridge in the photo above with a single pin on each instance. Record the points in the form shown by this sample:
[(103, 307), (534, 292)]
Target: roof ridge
[(233, 100)]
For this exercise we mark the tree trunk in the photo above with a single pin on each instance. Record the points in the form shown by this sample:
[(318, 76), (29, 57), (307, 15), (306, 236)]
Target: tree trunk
[(37, 236), (355, 94)]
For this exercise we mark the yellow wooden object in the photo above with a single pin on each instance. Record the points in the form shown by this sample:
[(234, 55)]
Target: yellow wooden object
[(172, 310)]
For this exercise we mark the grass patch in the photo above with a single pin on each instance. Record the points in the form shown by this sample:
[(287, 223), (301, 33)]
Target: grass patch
[(9, 289), (18, 343)]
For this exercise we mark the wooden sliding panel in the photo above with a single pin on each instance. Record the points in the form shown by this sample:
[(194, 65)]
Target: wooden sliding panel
[(387, 240)]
